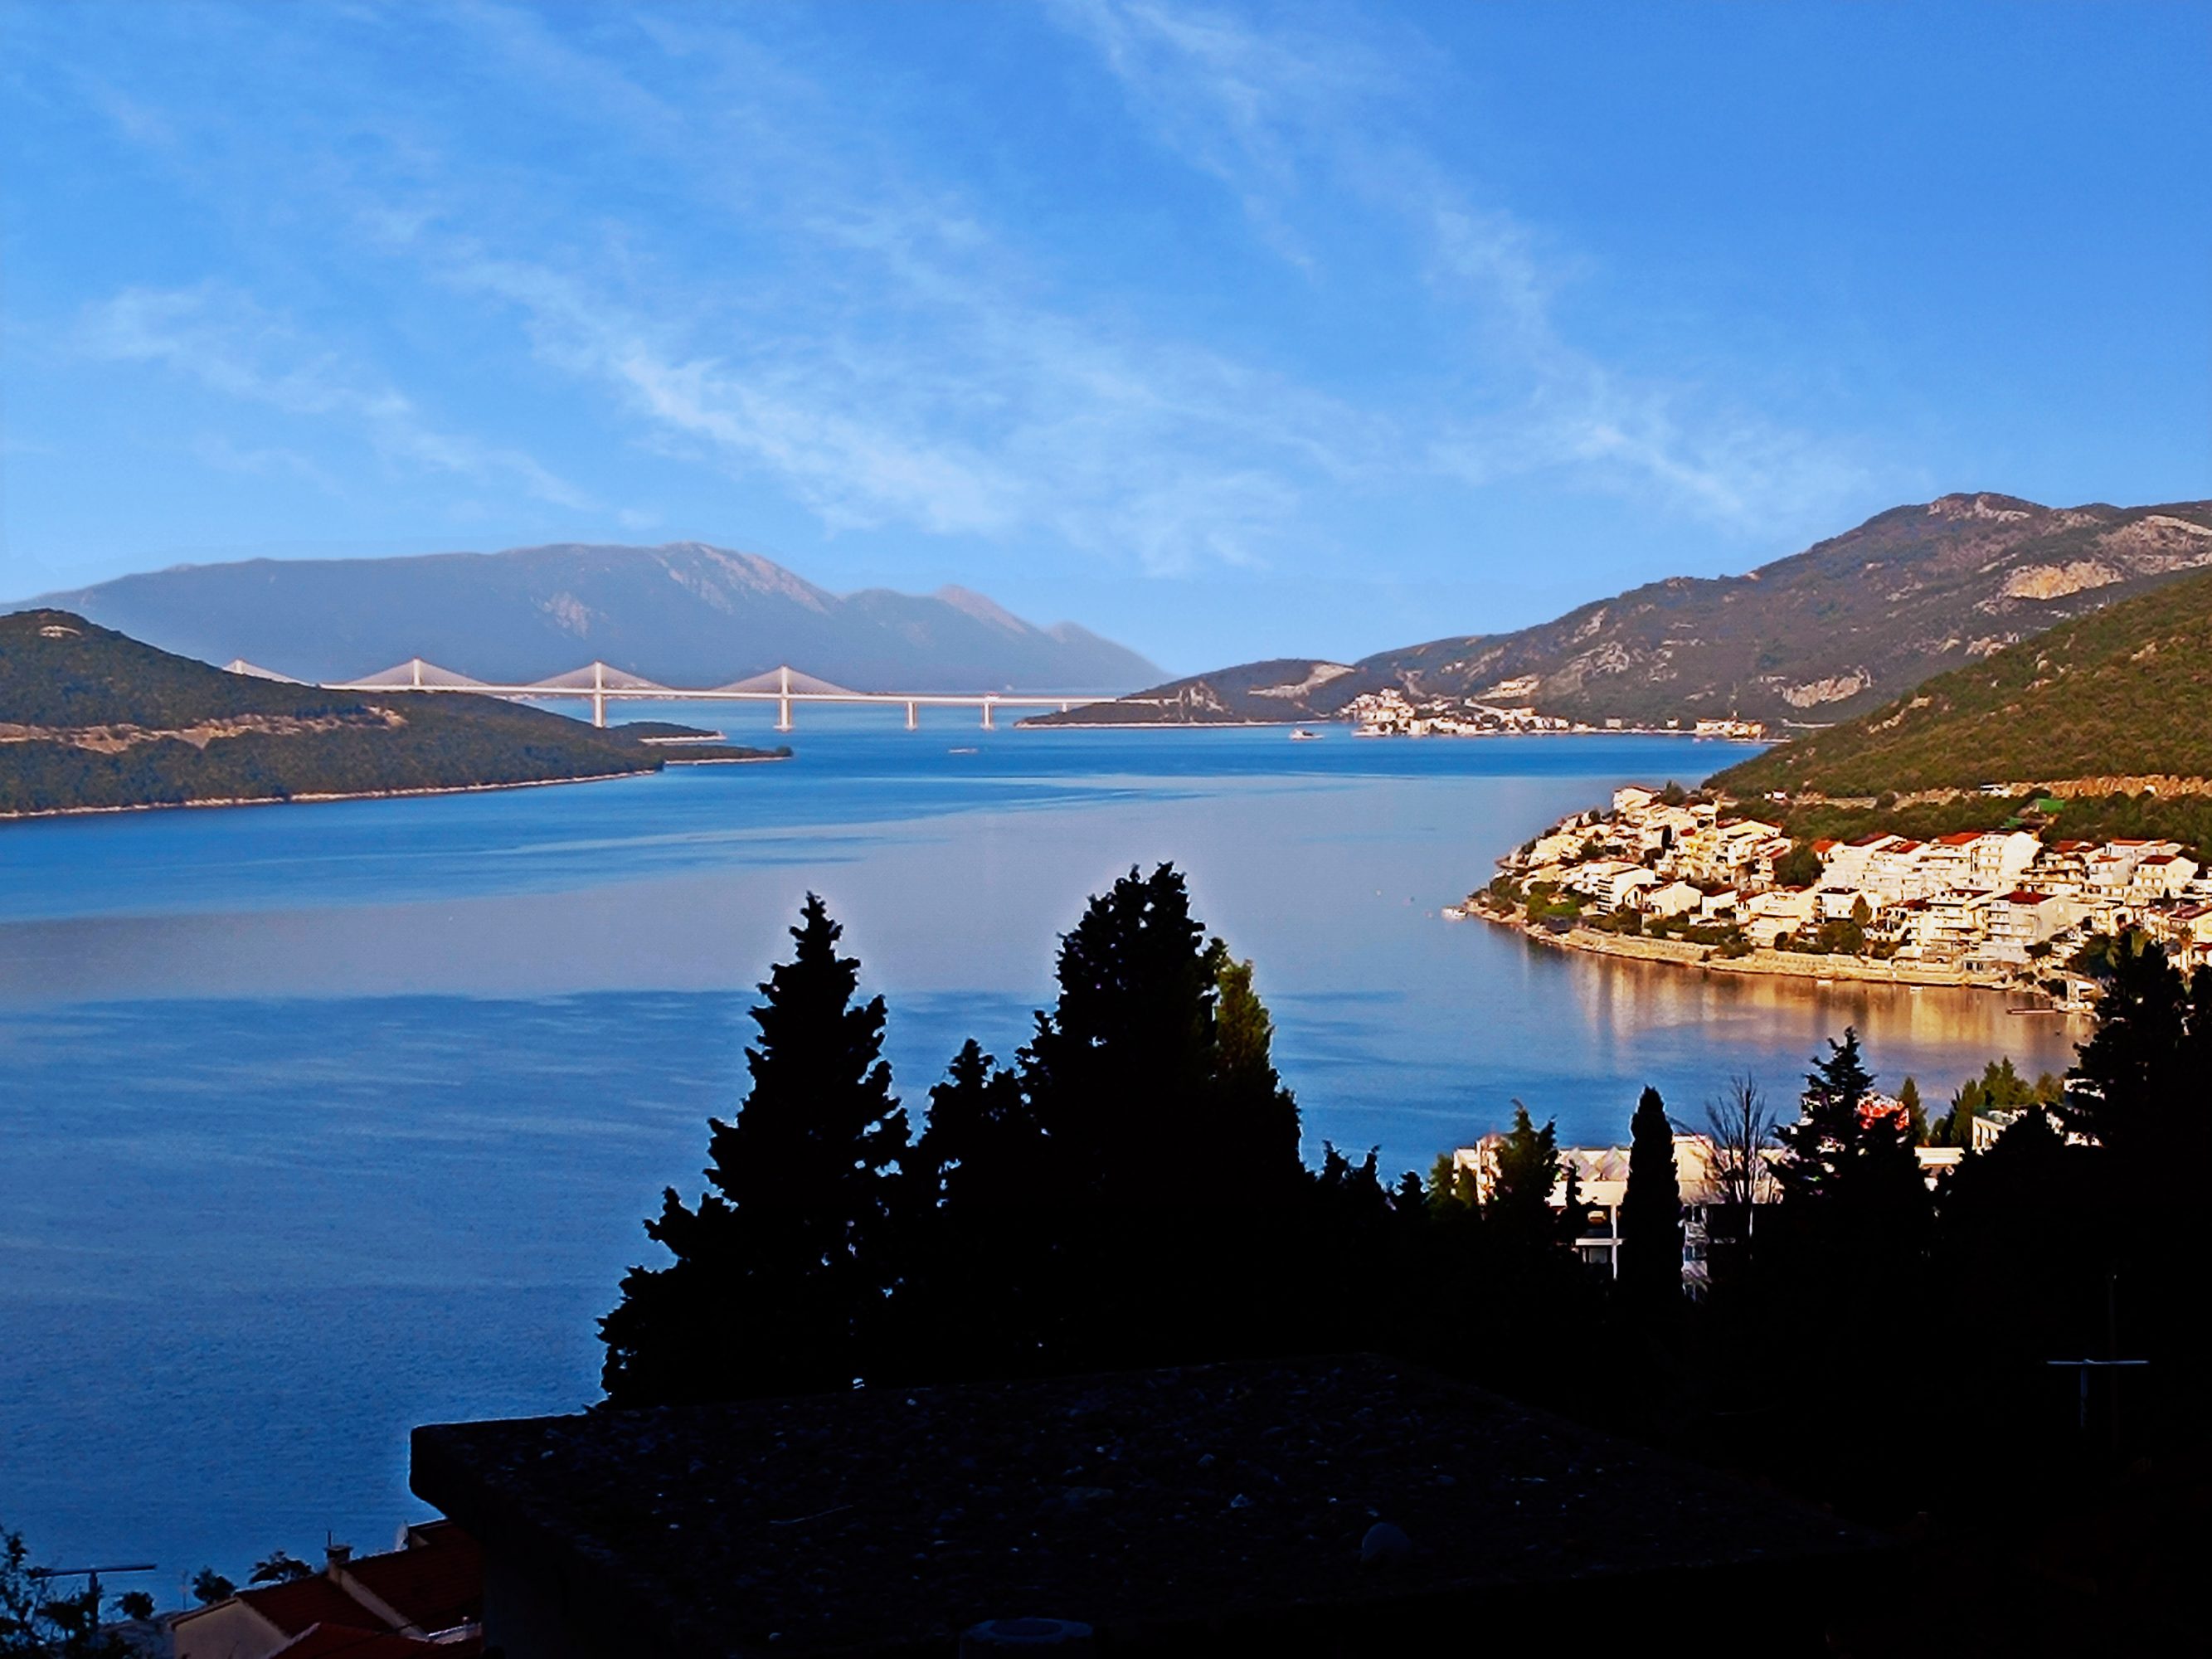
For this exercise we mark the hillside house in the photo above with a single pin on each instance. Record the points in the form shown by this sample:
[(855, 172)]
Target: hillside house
[(425, 1596)]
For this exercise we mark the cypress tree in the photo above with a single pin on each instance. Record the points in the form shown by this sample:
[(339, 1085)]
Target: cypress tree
[(781, 1269), (1651, 1210)]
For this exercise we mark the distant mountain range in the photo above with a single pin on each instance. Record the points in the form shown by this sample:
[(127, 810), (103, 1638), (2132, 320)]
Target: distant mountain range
[(684, 614), (91, 720), (1815, 638)]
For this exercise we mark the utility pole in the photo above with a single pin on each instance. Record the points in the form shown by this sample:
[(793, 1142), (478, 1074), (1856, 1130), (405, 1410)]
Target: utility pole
[(2082, 1367)]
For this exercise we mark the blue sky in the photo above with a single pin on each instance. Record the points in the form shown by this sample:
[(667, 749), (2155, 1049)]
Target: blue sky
[(1230, 331)]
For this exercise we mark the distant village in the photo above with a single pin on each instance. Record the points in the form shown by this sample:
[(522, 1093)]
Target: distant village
[(1391, 713), (1668, 875)]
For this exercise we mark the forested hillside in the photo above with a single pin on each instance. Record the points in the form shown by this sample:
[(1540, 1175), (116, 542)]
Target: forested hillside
[(2122, 695), (90, 719)]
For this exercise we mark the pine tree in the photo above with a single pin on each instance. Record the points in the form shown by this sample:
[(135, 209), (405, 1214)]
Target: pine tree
[(982, 1146), (1651, 1210), (1849, 1164), (1518, 1212), (2132, 1091), (781, 1270), (1258, 1115), (1133, 1075)]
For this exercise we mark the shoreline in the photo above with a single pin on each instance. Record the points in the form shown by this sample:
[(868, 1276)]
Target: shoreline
[(1762, 964), (370, 794), (1039, 725)]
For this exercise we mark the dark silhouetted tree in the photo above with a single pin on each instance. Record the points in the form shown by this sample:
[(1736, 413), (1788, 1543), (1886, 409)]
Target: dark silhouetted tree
[(781, 1271), (1133, 1075), (2132, 1091), (1651, 1210), (1848, 1152), (1518, 1212), (279, 1567)]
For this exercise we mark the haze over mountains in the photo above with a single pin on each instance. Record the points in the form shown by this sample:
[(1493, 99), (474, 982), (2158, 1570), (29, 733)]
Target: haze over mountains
[(684, 614), (1808, 639)]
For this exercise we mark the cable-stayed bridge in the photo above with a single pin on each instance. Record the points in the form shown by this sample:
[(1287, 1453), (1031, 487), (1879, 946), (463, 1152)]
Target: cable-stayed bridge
[(599, 683)]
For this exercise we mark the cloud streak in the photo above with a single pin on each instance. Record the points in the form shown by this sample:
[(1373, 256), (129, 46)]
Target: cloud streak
[(1275, 117), (223, 339)]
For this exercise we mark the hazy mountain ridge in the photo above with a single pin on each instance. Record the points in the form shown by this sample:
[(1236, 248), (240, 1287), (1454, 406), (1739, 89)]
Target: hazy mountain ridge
[(685, 613), (1816, 637)]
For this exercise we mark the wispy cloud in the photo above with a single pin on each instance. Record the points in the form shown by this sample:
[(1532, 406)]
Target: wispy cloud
[(220, 338), (1273, 115)]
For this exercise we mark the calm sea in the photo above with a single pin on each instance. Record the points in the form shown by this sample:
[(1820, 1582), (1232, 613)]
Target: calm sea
[(319, 1121)]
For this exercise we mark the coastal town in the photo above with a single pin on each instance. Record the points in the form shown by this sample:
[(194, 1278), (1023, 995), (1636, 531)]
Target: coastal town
[(1390, 713), (1665, 874)]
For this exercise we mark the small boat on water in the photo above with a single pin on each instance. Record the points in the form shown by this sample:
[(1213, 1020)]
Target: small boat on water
[(1301, 735)]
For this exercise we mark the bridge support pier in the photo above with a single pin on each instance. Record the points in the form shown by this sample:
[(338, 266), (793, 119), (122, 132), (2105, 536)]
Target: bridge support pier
[(783, 714), (598, 710), (911, 722), (987, 714)]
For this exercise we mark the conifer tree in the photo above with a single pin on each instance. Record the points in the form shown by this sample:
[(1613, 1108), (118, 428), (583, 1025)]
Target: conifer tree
[(1518, 1212), (1651, 1210), (982, 1146), (1131, 1075), (2132, 1091), (780, 1269), (1849, 1166)]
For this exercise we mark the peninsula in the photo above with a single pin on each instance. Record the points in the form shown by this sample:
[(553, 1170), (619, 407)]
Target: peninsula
[(92, 721), (1978, 832)]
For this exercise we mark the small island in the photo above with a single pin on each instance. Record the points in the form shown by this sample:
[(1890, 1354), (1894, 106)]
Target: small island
[(92, 721)]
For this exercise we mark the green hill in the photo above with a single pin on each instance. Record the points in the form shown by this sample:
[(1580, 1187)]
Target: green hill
[(90, 719), (2123, 694)]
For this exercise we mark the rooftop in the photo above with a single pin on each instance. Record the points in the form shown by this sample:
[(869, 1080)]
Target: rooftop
[(1213, 1504)]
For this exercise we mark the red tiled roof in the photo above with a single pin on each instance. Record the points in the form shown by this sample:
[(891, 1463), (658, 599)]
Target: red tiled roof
[(305, 1603), (1960, 838), (433, 1585), (2021, 895), (329, 1641)]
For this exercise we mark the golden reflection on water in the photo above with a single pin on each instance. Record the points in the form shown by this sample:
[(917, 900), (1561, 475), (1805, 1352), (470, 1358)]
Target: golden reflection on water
[(1938, 1029)]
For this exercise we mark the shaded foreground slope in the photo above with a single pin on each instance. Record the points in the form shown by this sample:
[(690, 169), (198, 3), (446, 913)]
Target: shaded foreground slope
[(2110, 700), (1822, 635), (684, 614), (91, 720)]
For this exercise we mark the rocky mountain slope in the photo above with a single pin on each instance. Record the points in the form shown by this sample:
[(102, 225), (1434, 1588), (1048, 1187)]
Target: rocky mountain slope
[(90, 720), (1809, 640), (685, 613), (2109, 702)]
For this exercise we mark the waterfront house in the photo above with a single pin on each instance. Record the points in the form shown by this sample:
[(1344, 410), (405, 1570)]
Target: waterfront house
[(1671, 898)]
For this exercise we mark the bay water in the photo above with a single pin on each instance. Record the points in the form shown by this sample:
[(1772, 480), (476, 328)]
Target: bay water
[(319, 1122)]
